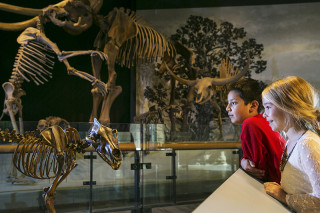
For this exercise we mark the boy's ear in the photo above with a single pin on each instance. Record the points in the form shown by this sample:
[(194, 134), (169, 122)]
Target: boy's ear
[(254, 106)]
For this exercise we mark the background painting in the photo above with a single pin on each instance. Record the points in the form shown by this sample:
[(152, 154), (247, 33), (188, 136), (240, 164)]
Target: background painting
[(290, 34)]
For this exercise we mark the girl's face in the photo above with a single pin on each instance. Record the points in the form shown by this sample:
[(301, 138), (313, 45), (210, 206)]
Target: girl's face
[(275, 116), (237, 110)]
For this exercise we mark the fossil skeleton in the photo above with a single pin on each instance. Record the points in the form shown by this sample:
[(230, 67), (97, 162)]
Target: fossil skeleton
[(51, 121), (127, 40), (52, 153), (35, 57), (124, 37)]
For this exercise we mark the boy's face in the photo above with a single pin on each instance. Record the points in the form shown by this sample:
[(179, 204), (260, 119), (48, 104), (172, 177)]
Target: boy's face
[(237, 110)]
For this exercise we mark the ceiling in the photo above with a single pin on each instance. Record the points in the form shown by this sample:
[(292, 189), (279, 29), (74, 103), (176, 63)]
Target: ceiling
[(167, 4)]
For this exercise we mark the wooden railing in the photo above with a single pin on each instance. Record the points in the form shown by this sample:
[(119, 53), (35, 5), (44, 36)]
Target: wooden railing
[(151, 146)]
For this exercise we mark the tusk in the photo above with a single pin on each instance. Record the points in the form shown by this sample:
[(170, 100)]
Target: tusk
[(20, 10), (181, 80), (19, 25), (221, 82)]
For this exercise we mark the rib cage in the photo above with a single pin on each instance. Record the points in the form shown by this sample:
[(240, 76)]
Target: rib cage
[(34, 61), (38, 158), (146, 46), (35, 159)]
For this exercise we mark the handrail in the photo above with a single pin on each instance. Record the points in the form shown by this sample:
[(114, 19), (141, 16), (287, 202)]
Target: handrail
[(192, 145), (151, 146)]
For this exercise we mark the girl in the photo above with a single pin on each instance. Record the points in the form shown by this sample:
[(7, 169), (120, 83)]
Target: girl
[(291, 106)]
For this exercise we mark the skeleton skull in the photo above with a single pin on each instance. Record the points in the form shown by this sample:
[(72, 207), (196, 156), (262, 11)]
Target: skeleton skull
[(105, 141), (42, 125), (74, 16), (206, 87)]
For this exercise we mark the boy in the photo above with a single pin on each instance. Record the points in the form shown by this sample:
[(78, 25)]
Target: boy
[(262, 148)]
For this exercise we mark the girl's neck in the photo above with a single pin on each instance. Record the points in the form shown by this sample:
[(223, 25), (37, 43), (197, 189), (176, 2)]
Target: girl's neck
[(294, 134)]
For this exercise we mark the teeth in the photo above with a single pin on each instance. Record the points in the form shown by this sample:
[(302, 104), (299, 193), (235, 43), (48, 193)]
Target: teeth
[(78, 23), (79, 26)]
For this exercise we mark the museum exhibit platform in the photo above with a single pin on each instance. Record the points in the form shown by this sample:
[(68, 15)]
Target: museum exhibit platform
[(156, 175), (241, 193)]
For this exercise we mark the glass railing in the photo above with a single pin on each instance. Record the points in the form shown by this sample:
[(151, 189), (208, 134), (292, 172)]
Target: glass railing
[(155, 172)]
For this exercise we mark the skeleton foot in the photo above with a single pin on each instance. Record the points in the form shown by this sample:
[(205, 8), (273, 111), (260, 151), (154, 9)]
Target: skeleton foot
[(102, 55), (101, 86)]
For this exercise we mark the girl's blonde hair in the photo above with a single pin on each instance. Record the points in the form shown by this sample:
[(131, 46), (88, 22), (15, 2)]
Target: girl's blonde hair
[(298, 99)]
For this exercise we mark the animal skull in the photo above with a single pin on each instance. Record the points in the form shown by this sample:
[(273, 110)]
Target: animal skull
[(74, 16), (206, 87), (105, 141)]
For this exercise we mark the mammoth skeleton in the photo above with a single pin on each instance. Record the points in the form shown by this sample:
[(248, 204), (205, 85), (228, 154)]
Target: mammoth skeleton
[(52, 154), (127, 40)]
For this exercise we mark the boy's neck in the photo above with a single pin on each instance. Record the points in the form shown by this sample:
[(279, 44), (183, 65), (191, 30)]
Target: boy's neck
[(251, 114), (254, 113)]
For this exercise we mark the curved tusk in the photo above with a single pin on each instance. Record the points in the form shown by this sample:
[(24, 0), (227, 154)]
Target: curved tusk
[(181, 80), (19, 25), (224, 81), (20, 10)]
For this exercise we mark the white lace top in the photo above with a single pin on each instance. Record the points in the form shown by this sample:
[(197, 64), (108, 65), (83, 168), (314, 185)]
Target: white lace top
[(301, 175)]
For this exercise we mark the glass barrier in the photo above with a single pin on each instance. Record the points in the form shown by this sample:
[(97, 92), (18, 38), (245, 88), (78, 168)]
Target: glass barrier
[(155, 172)]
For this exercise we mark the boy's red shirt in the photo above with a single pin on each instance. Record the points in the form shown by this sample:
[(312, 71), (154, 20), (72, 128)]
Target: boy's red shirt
[(263, 146)]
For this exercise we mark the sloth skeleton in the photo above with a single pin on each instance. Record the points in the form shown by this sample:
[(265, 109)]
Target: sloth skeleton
[(52, 153), (35, 58), (34, 61)]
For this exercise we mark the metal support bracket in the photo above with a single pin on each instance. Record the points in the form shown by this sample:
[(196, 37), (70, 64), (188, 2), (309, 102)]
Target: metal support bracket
[(236, 152), (89, 157), (86, 183), (171, 177), (171, 154), (138, 166)]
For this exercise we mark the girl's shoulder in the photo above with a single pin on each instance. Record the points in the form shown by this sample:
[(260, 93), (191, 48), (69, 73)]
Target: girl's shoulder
[(310, 140)]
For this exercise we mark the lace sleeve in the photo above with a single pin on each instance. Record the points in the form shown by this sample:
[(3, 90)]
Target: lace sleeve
[(310, 160)]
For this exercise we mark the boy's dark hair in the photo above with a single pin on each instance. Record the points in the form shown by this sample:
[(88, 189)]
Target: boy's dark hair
[(249, 90)]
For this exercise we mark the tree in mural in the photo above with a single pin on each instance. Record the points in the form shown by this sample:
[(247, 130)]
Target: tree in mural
[(157, 94), (211, 42)]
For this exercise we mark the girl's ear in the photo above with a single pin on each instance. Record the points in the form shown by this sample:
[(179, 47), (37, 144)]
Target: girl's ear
[(254, 106)]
